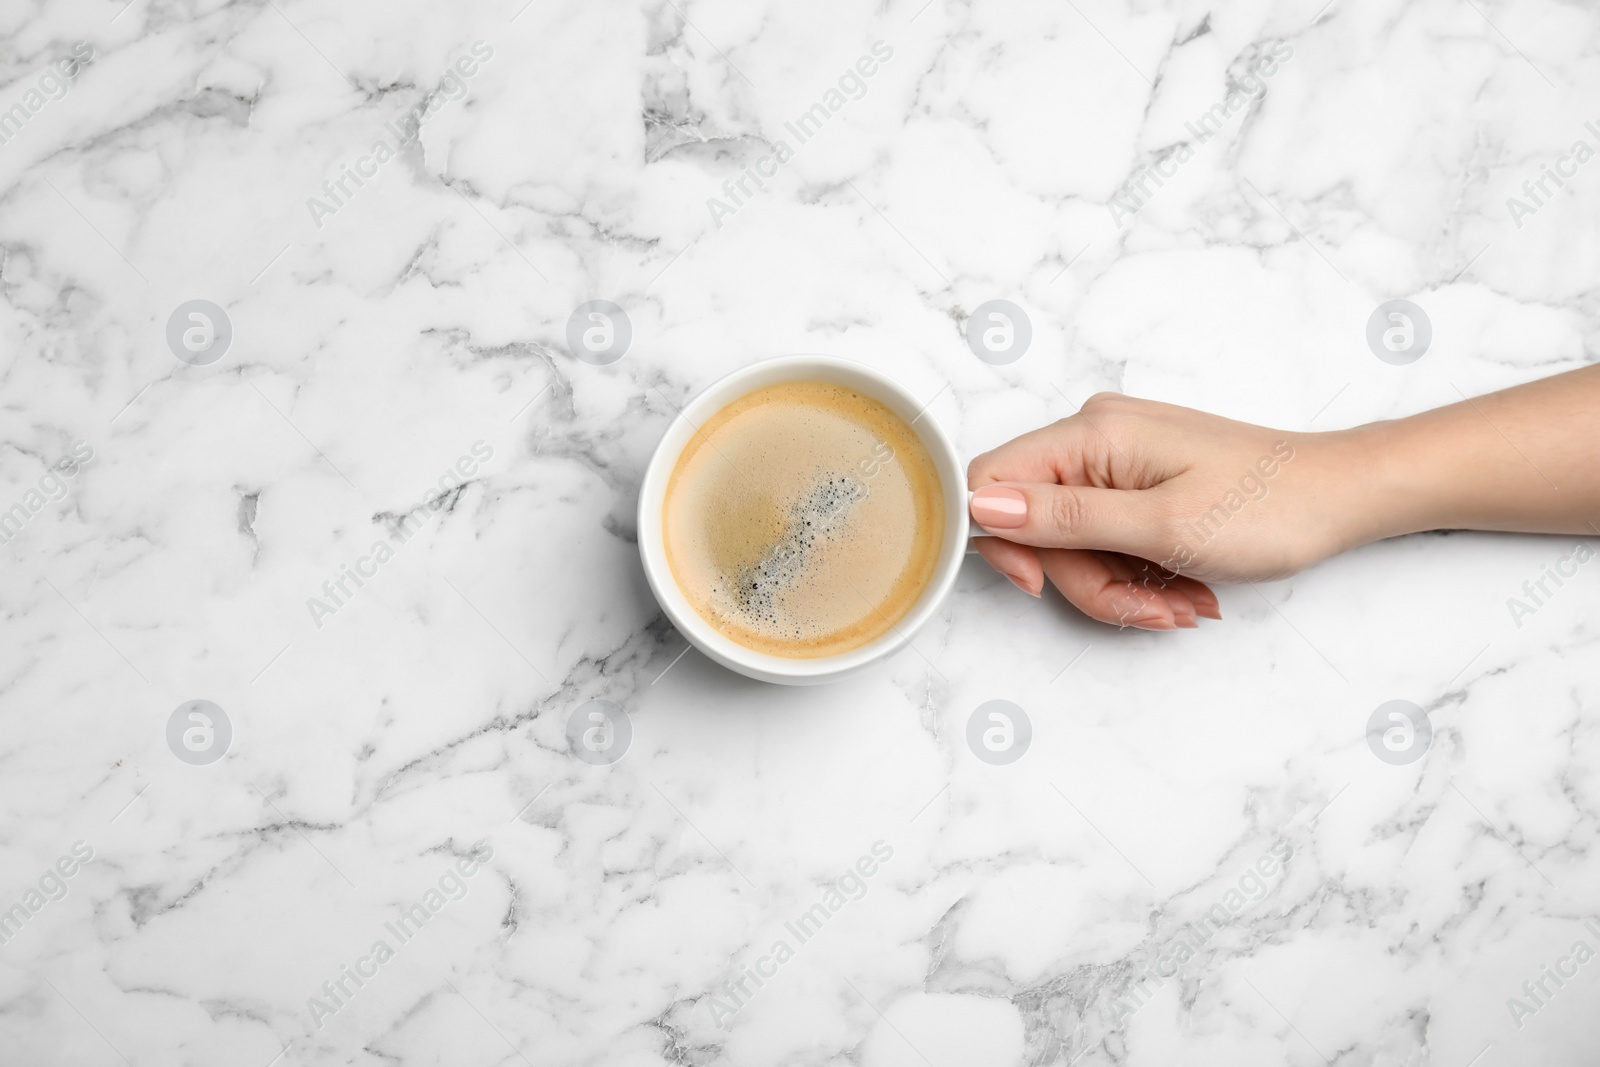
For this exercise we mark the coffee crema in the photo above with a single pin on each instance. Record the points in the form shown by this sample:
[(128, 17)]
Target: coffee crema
[(803, 520)]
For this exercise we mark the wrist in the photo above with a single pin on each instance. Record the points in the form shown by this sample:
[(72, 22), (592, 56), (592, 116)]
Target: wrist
[(1401, 479), (1377, 484)]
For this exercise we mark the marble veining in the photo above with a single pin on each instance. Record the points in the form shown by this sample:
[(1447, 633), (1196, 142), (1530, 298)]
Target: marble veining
[(388, 534)]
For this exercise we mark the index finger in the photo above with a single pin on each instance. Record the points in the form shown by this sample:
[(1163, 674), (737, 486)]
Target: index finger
[(1068, 452)]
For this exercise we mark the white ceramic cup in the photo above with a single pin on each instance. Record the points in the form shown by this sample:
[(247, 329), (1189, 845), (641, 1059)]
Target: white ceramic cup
[(718, 395)]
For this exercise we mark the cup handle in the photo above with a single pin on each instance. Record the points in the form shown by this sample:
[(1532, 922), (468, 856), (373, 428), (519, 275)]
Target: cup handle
[(974, 533)]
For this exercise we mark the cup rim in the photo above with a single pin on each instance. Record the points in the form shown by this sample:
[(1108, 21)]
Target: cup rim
[(718, 394)]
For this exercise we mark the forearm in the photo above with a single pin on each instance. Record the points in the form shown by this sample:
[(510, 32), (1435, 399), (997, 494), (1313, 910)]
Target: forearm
[(1523, 459)]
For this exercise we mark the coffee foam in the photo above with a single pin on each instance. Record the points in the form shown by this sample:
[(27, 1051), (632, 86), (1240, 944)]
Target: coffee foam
[(803, 519)]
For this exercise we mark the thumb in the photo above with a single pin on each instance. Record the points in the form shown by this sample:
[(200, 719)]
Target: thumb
[(1047, 515)]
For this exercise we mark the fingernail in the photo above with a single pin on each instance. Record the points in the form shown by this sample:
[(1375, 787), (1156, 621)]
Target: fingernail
[(1210, 613), (1133, 612), (1019, 584), (999, 508), (1186, 620)]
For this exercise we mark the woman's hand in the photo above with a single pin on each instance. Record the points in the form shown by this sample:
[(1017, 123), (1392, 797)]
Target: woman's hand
[(1130, 506)]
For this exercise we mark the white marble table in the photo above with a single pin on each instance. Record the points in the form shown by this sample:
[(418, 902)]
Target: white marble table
[(397, 397)]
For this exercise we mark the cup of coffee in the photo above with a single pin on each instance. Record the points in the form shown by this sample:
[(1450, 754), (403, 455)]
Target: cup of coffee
[(801, 518)]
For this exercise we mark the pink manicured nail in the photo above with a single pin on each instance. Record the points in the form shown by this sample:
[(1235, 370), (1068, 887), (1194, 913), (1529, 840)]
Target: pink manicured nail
[(1018, 583), (999, 508), (1133, 612)]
